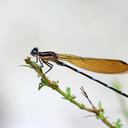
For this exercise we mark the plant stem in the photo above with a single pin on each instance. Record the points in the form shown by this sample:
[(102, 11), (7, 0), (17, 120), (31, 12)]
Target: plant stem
[(46, 82)]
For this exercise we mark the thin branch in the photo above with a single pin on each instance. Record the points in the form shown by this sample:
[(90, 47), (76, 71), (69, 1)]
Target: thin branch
[(85, 94), (99, 112)]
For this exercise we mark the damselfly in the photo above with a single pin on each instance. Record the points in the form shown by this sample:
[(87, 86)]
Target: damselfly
[(105, 66)]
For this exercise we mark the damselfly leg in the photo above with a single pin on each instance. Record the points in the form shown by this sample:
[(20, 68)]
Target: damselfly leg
[(49, 65)]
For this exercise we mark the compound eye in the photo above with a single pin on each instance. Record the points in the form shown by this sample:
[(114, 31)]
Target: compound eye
[(34, 51)]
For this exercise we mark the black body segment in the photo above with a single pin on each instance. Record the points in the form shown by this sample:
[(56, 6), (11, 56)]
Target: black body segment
[(90, 77)]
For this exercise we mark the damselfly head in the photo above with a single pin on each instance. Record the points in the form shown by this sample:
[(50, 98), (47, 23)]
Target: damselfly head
[(34, 51)]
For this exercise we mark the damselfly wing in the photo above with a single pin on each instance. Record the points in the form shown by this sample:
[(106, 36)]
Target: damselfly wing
[(106, 66)]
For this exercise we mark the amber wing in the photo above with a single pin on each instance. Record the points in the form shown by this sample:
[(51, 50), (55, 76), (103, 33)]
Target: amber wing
[(107, 66)]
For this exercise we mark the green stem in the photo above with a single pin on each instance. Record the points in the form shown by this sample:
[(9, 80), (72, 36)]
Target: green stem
[(46, 82)]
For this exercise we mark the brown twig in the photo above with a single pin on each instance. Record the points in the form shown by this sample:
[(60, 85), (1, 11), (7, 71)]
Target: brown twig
[(85, 94)]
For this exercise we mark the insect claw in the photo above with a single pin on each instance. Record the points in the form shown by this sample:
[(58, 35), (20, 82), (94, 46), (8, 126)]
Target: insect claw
[(41, 66)]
